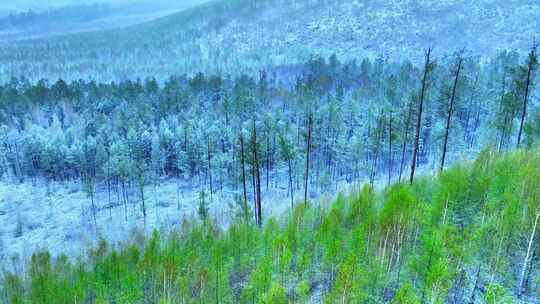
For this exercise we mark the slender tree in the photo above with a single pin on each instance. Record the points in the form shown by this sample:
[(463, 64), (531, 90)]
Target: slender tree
[(308, 152), (209, 158), (427, 69), (405, 137), (288, 154), (451, 107), (532, 65), (243, 165), (256, 175)]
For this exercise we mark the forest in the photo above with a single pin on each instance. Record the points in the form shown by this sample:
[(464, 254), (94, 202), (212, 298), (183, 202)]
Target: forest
[(269, 151), (421, 222), (467, 236)]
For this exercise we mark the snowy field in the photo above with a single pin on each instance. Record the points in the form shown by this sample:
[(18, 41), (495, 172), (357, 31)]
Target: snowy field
[(60, 219)]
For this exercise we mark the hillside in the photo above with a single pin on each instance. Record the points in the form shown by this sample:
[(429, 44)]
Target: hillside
[(76, 156), (76, 18), (242, 36), (467, 236)]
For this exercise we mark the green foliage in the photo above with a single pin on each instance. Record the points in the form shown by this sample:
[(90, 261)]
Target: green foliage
[(496, 294), (392, 246), (350, 283), (405, 295), (277, 295)]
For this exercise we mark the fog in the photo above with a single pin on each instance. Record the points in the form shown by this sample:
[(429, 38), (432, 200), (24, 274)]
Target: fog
[(57, 17), (23, 5)]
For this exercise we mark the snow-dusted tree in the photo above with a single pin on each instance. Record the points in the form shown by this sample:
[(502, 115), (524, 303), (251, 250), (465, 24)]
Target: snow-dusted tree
[(140, 146), (288, 154)]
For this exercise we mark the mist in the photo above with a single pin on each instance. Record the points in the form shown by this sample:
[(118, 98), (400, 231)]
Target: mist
[(38, 5)]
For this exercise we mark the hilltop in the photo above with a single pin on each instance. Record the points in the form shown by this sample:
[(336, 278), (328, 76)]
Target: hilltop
[(244, 36)]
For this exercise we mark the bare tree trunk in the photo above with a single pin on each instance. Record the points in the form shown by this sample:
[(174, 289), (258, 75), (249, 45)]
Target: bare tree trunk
[(467, 128), (242, 159), (530, 67), (124, 197), (390, 156), (451, 110), (405, 139), (501, 108), (374, 163), (308, 151), (267, 160), (209, 165), (93, 205), (420, 109), (257, 176), (18, 169), (291, 184), (141, 190), (526, 260)]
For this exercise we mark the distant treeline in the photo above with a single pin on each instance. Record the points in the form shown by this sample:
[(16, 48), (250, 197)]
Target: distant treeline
[(54, 17)]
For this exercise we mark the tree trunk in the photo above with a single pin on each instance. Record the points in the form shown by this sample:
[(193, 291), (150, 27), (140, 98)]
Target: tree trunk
[(419, 119), (450, 111), (390, 156), (242, 159), (291, 184), (501, 109), (257, 177), (93, 205), (526, 260), (124, 198), (374, 163), (209, 165), (141, 189), (308, 151), (267, 160), (530, 67), (405, 139)]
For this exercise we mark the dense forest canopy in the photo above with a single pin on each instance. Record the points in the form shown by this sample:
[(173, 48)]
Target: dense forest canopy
[(364, 116), (347, 122)]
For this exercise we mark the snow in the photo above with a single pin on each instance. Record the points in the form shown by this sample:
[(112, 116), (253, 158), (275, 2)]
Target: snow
[(61, 220)]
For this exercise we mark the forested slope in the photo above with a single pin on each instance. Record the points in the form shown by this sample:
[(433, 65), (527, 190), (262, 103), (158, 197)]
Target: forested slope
[(468, 235), (82, 17), (242, 111), (244, 35), (144, 153)]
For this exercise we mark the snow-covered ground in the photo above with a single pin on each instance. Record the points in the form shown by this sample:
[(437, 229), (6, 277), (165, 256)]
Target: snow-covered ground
[(60, 219)]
